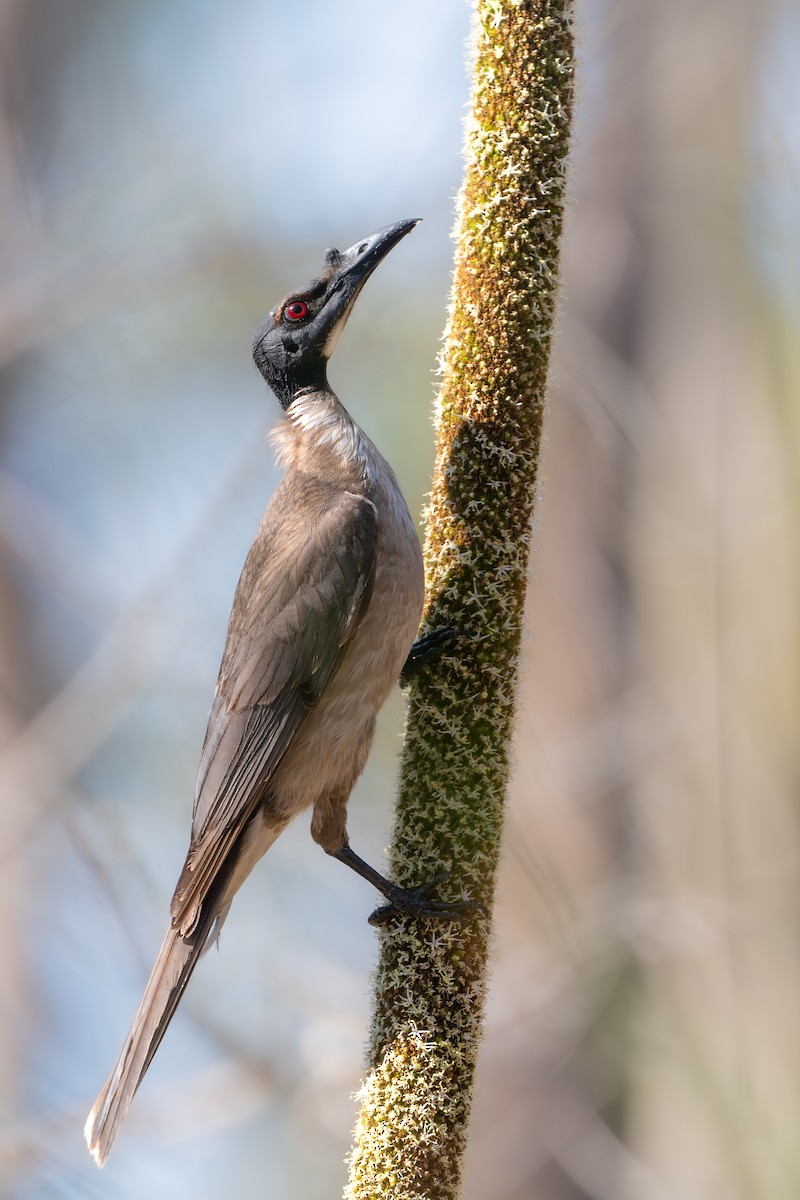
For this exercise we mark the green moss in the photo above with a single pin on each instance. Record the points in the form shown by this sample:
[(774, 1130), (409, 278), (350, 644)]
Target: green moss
[(430, 981)]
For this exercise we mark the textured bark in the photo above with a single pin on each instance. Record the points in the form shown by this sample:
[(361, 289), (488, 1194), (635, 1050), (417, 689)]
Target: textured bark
[(431, 978)]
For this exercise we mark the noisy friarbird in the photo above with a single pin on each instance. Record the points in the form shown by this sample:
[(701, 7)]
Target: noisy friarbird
[(323, 621)]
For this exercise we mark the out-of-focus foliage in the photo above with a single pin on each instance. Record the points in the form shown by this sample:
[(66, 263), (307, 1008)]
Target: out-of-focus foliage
[(166, 172)]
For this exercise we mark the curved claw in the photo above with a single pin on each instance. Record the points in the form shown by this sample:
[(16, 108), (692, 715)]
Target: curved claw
[(428, 646), (415, 903)]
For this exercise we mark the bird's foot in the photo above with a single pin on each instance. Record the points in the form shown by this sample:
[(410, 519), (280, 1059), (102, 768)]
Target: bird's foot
[(428, 646), (417, 902)]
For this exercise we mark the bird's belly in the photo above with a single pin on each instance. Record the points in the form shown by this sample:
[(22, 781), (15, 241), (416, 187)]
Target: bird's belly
[(328, 753)]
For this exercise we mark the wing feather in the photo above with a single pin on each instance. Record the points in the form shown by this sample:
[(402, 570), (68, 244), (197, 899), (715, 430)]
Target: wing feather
[(301, 597)]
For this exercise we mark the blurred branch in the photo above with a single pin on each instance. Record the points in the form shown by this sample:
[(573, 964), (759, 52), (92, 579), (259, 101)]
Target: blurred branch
[(70, 293), (431, 980), (42, 757), (213, 1098), (43, 541)]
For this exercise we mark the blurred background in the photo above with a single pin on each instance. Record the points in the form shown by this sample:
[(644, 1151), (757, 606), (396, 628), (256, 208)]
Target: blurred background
[(167, 172)]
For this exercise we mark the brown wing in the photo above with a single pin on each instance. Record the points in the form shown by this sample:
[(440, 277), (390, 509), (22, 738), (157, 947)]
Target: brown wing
[(301, 596)]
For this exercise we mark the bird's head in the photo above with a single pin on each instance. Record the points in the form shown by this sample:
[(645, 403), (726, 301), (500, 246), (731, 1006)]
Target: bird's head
[(292, 345)]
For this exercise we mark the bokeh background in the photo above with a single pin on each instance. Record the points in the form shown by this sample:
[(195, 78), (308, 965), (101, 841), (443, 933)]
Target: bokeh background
[(167, 171)]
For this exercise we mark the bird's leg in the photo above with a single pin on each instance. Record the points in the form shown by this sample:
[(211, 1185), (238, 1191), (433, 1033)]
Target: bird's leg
[(414, 901), (430, 644)]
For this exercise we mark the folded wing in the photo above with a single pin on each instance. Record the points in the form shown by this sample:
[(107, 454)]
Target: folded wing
[(302, 595)]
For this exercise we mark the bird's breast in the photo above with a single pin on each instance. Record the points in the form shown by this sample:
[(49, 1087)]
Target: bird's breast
[(379, 648), (329, 752), (375, 655)]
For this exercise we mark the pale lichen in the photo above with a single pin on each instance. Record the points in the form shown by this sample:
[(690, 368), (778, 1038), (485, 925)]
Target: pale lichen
[(430, 981)]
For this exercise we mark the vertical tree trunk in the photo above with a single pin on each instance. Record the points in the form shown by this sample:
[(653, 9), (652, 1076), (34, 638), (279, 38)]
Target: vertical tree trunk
[(431, 976)]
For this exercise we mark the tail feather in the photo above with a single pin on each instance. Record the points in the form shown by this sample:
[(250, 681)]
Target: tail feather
[(176, 961)]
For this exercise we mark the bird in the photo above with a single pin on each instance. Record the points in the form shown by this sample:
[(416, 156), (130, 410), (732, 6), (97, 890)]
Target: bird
[(324, 620)]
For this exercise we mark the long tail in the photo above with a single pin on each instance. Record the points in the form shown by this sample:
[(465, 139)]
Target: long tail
[(176, 961)]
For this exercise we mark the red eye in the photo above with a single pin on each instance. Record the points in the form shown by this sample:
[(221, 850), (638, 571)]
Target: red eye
[(296, 310)]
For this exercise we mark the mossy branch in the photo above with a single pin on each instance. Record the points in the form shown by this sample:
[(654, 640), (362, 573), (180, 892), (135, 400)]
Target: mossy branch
[(431, 977)]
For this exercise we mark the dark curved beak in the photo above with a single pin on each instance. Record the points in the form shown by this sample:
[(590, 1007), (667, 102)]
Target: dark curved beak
[(347, 271), (362, 258)]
